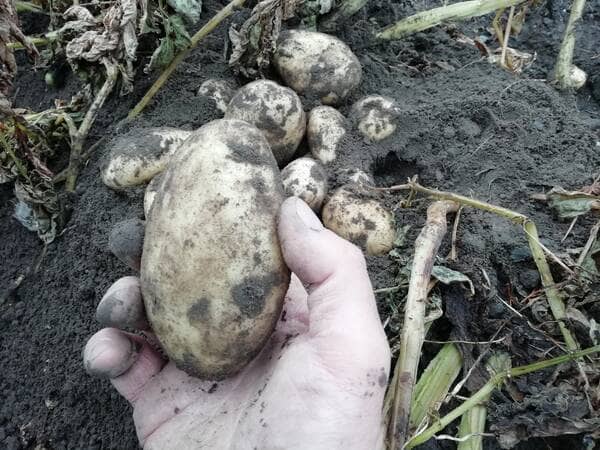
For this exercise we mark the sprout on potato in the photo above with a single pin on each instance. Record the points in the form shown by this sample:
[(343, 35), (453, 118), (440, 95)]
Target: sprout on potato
[(317, 65), (375, 116), (363, 221), (219, 91), (136, 157), (213, 276), (273, 109), (307, 179), (325, 130)]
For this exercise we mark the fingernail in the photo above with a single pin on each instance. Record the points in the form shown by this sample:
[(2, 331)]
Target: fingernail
[(109, 354), (307, 216), (122, 306)]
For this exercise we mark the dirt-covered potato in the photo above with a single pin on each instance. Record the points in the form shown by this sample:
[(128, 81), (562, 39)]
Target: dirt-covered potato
[(220, 91), (307, 179), (151, 190), (325, 130), (317, 65), (375, 116), (273, 109), (213, 276), (363, 221), (137, 156)]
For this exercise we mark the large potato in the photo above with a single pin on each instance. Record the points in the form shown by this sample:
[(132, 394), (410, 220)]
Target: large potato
[(317, 65), (307, 179), (136, 157), (363, 221), (273, 109), (325, 131), (213, 276)]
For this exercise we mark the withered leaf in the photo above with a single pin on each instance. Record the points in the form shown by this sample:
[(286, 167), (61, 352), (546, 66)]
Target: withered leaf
[(255, 41)]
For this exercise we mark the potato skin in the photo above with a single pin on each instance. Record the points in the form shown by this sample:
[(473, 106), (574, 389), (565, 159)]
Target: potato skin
[(220, 91), (305, 178), (213, 275), (325, 130), (362, 221), (273, 109), (317, 65), (375, 116), (153, 187), (137, 156)]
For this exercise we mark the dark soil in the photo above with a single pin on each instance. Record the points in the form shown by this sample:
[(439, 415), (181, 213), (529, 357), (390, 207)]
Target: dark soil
[(466, 126)]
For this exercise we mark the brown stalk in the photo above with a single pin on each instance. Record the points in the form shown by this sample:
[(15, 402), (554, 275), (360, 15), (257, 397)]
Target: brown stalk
[(427, 245)]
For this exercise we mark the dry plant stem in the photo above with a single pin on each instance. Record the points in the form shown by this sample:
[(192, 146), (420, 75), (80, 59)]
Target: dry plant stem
[(433, 17), (588, 245), (554, 299), (37, 41), (78, 136), (506, 36), (537, 250), (21, 6), (413, 329), (196, 38), (480, 396), (562, 70)]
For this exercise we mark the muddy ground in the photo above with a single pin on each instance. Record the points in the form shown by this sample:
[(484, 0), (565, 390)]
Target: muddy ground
[(466, 126)]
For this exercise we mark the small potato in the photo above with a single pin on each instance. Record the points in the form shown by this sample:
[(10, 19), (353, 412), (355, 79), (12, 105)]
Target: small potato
[(213, 276), (307, 179), (136, 157), (375, 116), (325, 130), (317, 65), (126, 241), (273, 109), (220, 91), (153, 187), (363, 221)]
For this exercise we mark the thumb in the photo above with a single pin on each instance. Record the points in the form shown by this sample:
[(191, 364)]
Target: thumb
[(343, 314)]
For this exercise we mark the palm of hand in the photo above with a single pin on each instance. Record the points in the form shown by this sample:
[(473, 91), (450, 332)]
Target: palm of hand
[(318, 383)]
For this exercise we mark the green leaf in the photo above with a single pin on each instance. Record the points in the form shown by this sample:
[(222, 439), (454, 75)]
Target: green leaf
[(571, 204), (448, 276), (176, 39), (190, 9)]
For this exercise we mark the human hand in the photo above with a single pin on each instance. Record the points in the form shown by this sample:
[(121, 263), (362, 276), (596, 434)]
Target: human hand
[(318, 383)]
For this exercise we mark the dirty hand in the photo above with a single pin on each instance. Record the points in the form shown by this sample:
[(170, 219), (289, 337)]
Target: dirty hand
[(318, 383)]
